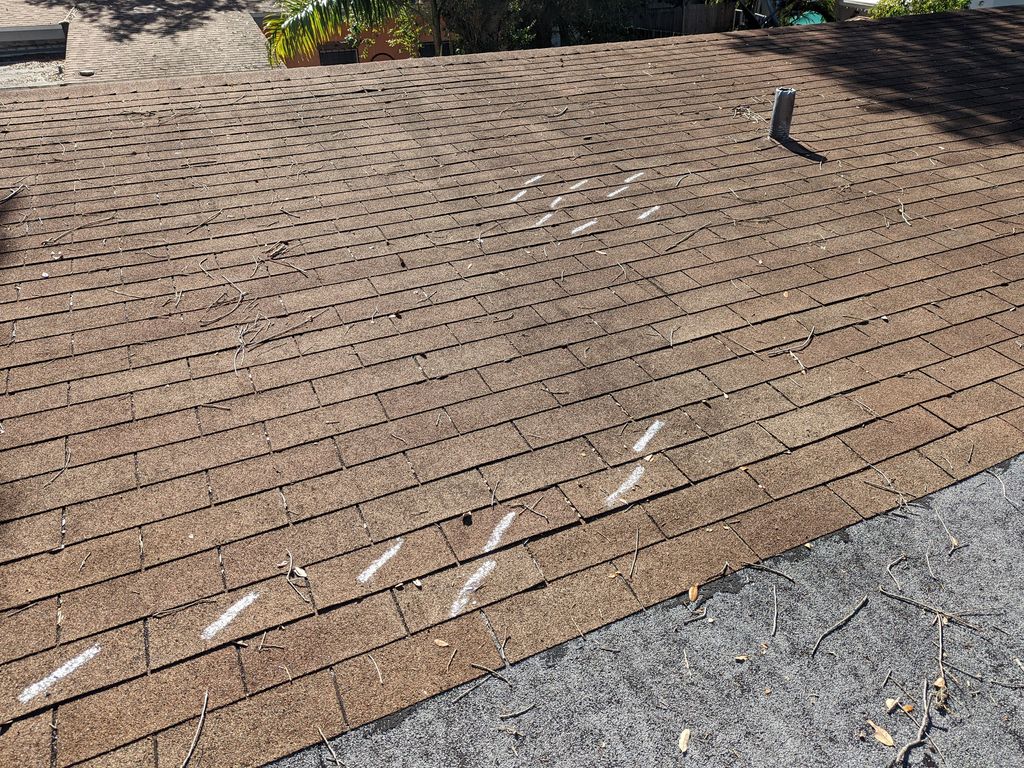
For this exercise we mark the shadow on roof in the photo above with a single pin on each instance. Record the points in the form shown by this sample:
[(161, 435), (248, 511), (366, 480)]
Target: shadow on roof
[(961, 70), (122, 20)]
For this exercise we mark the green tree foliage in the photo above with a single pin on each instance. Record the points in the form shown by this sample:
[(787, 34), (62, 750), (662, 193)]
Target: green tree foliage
[(783, 12), (405, 29), (475, 25), (302, 25), (888, 8)]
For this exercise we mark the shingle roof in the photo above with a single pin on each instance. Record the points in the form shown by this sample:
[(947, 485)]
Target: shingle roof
[(130, 39), (529, 339)]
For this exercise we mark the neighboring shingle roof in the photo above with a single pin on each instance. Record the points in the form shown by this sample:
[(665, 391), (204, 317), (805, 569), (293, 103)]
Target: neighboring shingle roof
[(130, 39), (518, 337)]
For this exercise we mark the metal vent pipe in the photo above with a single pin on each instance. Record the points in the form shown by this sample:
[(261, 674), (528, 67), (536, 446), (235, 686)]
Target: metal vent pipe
[(782, 113)]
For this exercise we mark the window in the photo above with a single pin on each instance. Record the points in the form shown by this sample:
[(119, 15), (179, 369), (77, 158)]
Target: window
[(338, 53), (427, 49)]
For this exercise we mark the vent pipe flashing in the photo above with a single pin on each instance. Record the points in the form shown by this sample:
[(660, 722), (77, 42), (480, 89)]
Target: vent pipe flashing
[(782, 113)]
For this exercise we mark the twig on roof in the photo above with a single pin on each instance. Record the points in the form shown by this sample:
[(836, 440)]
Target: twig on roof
[(67, 463), (636, 553), (954, 544), (888, 569), (1003, 486), (533, 508), (275, 250), (12, 193), (492, 672), (451, 658), (761, 567), (687, 237), (62, 235), (510, 715), (560, 112), (775, 610), (241, 294), (199, 730), (839, 624), (289, 329), (295, 572), (958, 619), (921, 738), (179, 608), (903, 213), (798, 348), (468, 691), (1011, 684), (204, 223), (749, 114), (334, 755), (265, 646), (373, 661)]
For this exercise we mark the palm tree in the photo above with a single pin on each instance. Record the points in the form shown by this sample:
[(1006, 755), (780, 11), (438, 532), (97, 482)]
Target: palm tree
[(300, 26)]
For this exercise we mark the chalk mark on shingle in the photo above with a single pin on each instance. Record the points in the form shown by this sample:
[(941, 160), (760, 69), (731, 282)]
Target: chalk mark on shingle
[(379, 563), (627, 485), (652, 430), (584, 227), (499, 531), (228, 616), (472, 585), (58, 674)]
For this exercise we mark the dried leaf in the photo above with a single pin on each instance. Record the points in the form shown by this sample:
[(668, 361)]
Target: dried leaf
[(299, 572), (891, 705), (440, 643), (881, 734), (907, 708), (684, 740), (694, 592), (940, 683)]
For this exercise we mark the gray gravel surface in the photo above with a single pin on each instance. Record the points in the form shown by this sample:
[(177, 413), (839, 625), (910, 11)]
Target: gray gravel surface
[(623, 695)]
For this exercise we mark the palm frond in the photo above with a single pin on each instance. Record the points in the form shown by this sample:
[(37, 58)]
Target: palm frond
[(300, 26)]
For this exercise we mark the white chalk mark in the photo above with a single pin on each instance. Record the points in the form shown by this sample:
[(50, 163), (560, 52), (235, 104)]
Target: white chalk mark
[(535, 179), (518, 196), (58, 674), (648, 436), (634, 177), (555, 202), (228, 616), (499, 531), (626, 487), (543, 219), (584, 227), (472, 585), (377, 564), (619, 191), (648, 213), (578, 184)]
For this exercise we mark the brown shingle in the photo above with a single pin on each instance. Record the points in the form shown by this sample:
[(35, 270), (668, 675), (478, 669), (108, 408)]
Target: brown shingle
[(423, 360)]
